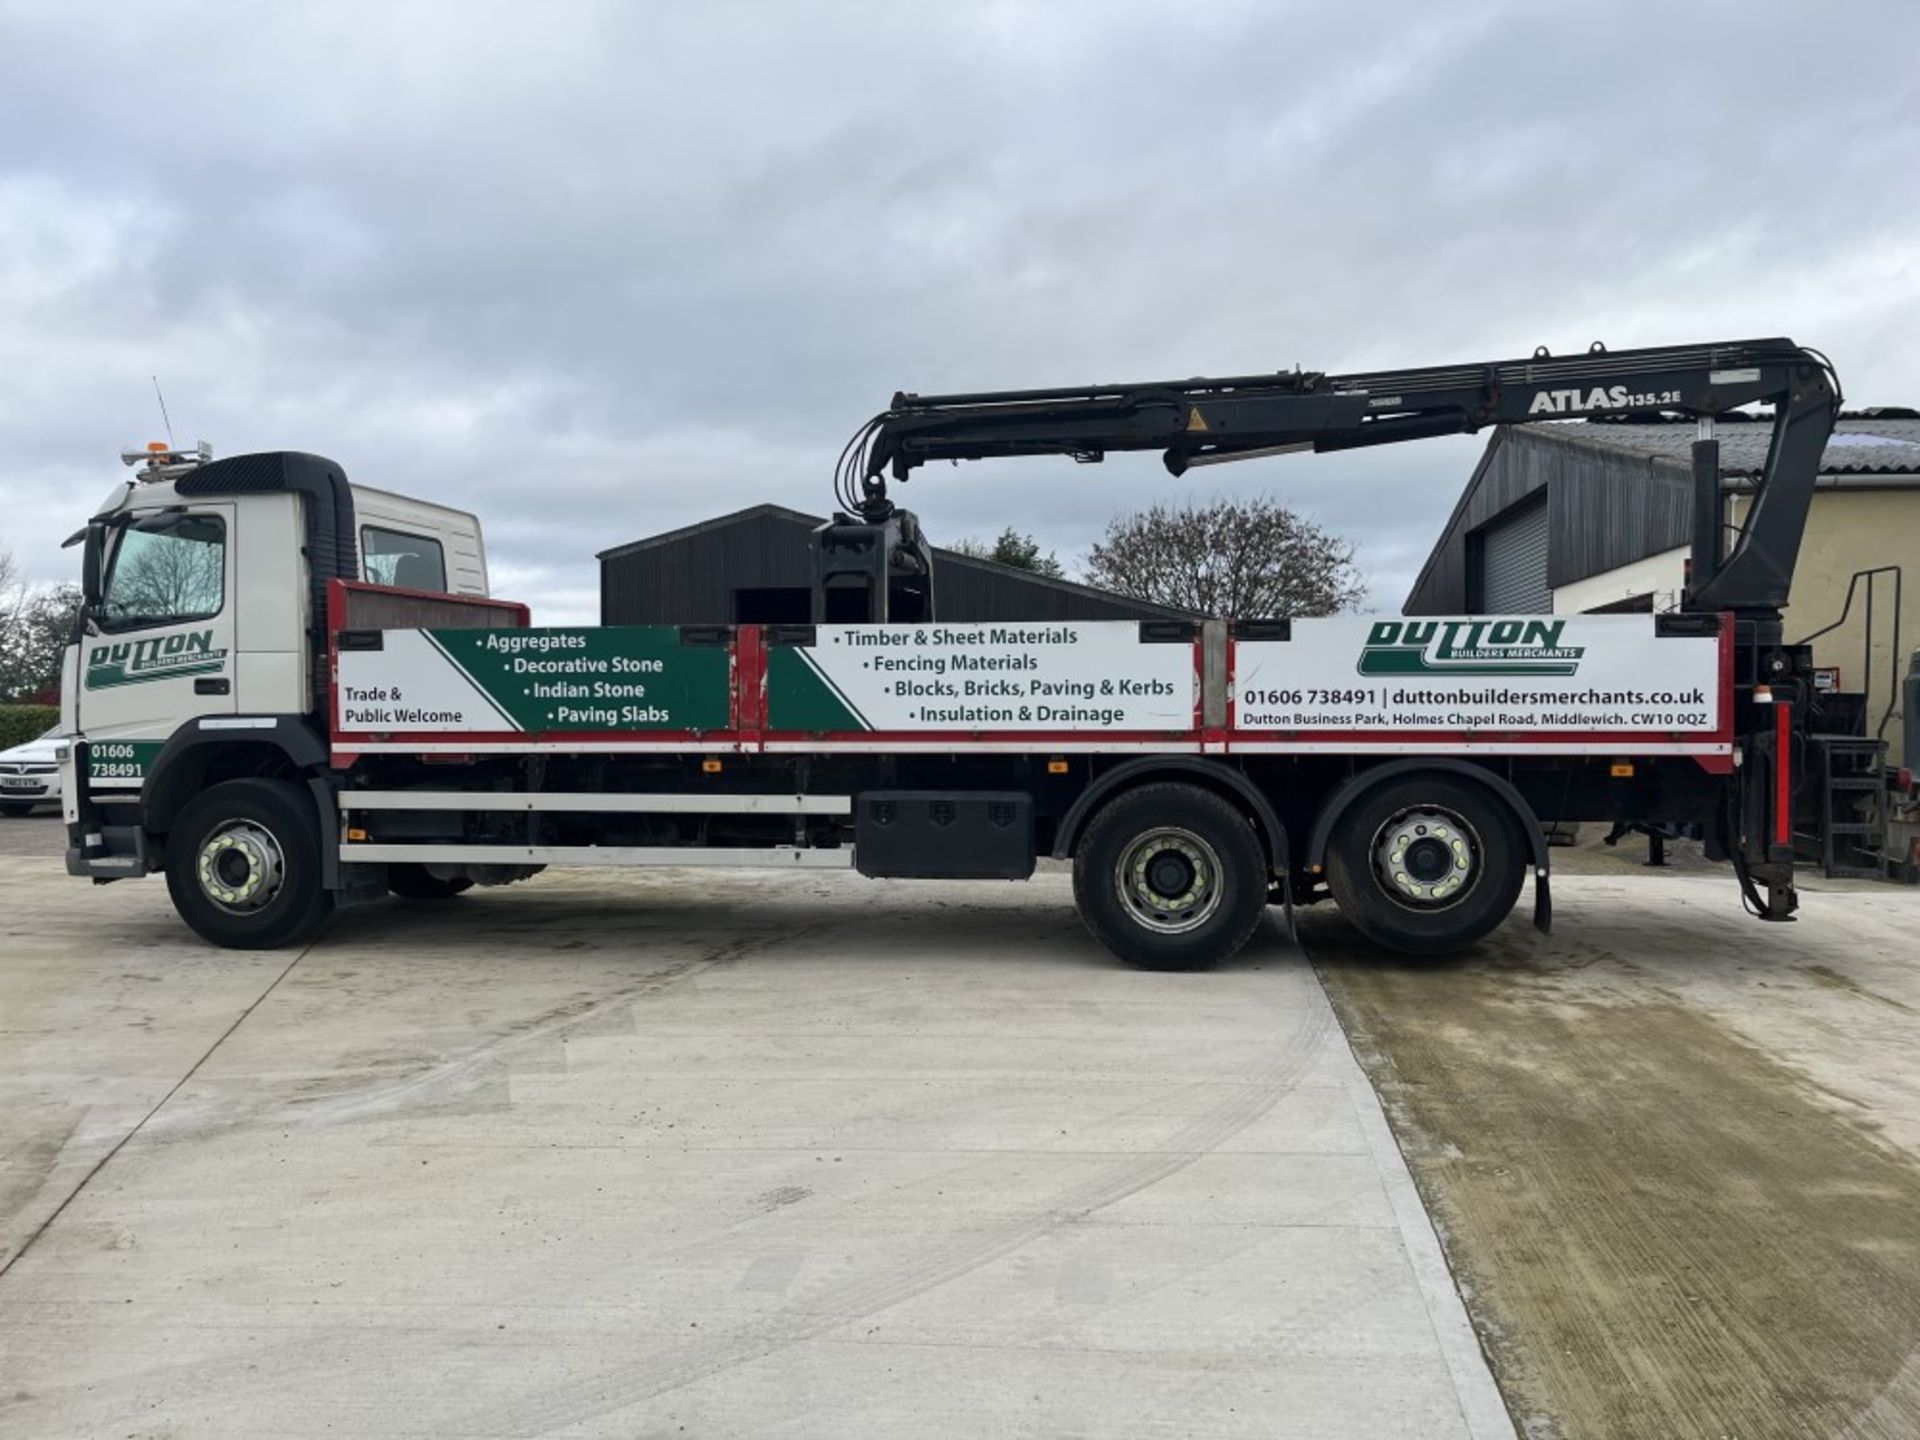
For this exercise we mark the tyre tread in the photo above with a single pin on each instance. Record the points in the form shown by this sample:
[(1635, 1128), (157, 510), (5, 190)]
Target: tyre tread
[(1386, 922), (1099, 909), (288, 809)]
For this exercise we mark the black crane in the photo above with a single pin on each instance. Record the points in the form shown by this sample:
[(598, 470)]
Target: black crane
[(1208, 421)]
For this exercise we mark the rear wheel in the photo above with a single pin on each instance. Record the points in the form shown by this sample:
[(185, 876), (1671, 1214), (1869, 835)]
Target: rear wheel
[(416, 882), (1426, 864), (243, 865), (1170, 877)]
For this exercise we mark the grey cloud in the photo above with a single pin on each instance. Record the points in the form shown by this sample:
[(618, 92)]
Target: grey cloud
[(596, 270)]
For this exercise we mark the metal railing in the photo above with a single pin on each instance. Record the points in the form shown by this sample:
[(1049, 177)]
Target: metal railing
[(1871, 575)]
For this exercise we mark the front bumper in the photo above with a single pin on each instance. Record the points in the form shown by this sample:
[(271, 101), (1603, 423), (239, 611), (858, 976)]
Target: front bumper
[(96, 849), (111, 852)]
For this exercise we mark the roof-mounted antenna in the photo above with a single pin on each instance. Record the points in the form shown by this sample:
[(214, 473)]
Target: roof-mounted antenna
[(165, 419)]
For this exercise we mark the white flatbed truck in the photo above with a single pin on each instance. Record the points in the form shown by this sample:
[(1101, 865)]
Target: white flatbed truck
[(291, 693)]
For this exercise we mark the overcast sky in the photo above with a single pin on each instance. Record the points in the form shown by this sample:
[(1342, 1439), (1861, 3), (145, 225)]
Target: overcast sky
[(594, 271)]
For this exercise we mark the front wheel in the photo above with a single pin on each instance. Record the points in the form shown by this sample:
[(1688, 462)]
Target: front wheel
[(243, 865), (1426, 864), (1170, 877)]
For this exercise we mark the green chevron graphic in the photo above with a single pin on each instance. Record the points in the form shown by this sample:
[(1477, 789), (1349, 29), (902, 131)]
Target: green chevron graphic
[(615, 677), (801, 697)]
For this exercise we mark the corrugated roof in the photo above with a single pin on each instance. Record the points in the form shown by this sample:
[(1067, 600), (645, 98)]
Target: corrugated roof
[(1860, 445), (949, 557), (718, 522)]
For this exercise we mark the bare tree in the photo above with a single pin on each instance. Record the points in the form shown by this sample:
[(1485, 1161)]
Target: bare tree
[(1248, 559), (35, 626), (13, 604), (36, 635), (1012, 548), (13, 591)]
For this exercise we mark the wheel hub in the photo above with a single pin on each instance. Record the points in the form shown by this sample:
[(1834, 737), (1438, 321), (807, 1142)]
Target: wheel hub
[(240, 867), (1428, 860), (1170, 880), (1170, 874), (1427, 857)]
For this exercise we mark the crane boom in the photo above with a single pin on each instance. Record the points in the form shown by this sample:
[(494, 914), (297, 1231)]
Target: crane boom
[(1207, 421)]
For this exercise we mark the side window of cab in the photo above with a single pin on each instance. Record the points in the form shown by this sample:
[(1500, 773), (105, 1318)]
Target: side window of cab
[(410, 562)]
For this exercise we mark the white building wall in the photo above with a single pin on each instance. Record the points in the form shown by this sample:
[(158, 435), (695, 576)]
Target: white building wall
[(1661, 576)]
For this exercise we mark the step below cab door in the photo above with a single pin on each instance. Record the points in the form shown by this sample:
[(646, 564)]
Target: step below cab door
[(158, 650)]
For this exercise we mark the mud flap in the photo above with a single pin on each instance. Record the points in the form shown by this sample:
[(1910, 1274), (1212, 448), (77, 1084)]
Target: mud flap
[(1286, 907), (326, 805), (1282, 860)]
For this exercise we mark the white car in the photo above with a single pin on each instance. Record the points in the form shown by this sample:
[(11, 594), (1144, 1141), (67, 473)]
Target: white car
[(30, 774)]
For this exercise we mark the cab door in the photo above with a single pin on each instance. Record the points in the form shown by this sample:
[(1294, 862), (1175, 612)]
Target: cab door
[(159, 648)]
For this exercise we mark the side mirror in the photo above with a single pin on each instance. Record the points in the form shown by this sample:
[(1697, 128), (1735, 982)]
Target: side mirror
[(90, 563), (93, 565)]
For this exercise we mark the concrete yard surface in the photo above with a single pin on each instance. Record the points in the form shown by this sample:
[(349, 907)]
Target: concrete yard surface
[(1674, 1153), (694, 1154), (796, 1155)]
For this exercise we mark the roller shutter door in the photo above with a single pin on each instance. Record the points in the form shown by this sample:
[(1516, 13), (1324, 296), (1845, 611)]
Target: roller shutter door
[(1513, 563)]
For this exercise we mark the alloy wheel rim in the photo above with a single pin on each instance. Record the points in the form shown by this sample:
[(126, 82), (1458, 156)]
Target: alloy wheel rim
[(240, 867), (1427, 857), (1169, 879)]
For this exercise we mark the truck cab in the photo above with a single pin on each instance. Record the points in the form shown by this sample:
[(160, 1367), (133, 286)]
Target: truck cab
[(192, 629)]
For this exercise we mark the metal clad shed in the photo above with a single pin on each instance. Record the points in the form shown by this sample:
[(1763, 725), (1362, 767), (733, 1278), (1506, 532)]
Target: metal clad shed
[(1619, 492), (1593, 508), (1510, 563), (1591, 516), (756, 565)]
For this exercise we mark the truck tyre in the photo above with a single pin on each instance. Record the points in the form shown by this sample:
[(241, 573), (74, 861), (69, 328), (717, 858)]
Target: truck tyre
[(1170, 877), (243, 865), (1426, 864), (416, 882)]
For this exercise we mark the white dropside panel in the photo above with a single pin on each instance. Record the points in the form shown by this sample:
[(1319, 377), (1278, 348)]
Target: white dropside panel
[(1512, 675), (899, 679)]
